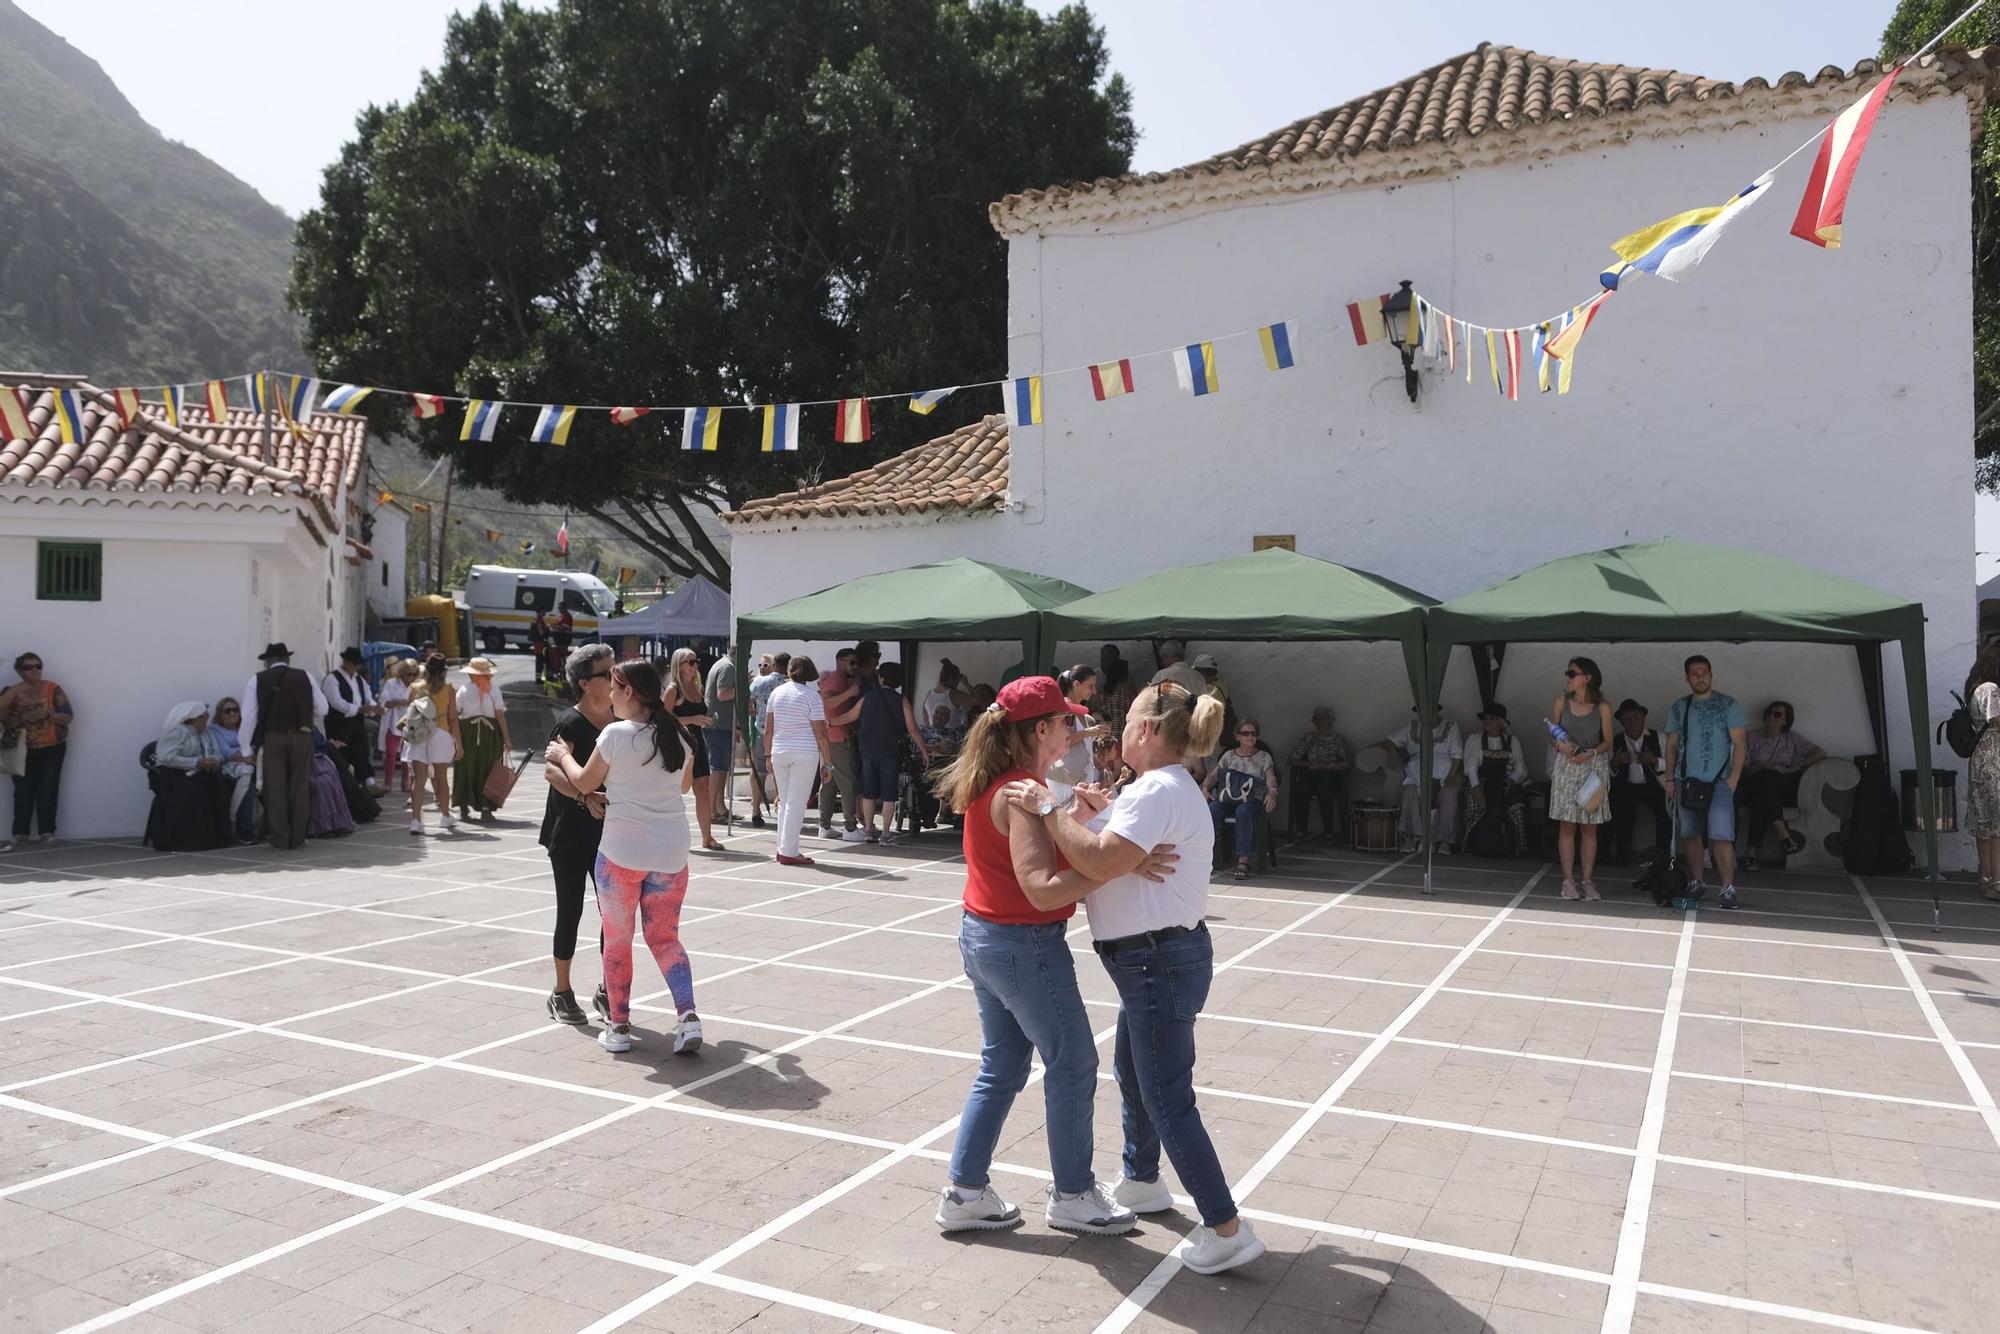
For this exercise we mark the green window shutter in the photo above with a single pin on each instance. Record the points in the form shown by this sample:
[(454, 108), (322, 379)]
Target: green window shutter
[(69, 571)]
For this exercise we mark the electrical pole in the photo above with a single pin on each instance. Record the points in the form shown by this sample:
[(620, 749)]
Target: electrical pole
[(444, 522)]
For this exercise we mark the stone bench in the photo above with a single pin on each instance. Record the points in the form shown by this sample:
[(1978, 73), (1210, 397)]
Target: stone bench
[(1826, 799)]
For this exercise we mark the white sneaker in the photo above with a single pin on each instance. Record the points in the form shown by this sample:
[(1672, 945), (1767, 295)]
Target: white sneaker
[(855, 835), (615, 1037), (687, 1035), (47, 838), (447, 823), (1091, 1211), (1144, 1197), (416, 825), (985, 1211), (1206, 1253)]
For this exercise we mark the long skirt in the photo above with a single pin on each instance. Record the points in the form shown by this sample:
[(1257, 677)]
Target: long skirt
[(329, 813), (481, 738), (190, 811)]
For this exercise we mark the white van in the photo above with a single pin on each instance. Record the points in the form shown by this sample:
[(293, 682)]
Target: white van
[(503, 602)]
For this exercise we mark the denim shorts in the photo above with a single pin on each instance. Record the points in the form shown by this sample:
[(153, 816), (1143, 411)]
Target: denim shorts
[(878, 775), (1718, 821), (721, 748)]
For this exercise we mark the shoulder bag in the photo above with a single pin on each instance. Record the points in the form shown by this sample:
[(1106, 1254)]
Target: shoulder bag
[(1696, 794)]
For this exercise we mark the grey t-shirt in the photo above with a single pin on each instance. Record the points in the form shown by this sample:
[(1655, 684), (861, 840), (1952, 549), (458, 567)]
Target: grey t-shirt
[(722, 712)]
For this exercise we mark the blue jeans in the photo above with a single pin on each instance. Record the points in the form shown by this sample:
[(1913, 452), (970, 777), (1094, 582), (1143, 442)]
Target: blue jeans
[(1025, 982), (1718, 821), (1246, 813), (1160, 990)]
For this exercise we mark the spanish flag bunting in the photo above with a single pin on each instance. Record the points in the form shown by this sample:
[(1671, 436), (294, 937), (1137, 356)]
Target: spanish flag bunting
[(482, 418), (701, 429), (346, 398), (1564, 343), (1276, 340), (926, 403), (781, 428), (14, 414), (1109, 379), (626, 574), (1825, 202), (427, 405), (385, 497), (218, 401), (1367, 319), (1024, 401), (1194, 369), (127, 404), (175, 398), (626, 416), (552, 424), (1514, 364), (69, 415), (492, 534), (850, 421)]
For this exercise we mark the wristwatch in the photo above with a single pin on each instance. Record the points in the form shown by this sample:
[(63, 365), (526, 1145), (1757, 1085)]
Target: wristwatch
[(1047, 808)]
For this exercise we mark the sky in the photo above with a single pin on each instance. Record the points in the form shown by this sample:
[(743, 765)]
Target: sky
[(1204, 77)]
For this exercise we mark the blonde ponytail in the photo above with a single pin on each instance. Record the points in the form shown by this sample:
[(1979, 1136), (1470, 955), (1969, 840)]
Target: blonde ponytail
[(1205, 728), (1188, 726)]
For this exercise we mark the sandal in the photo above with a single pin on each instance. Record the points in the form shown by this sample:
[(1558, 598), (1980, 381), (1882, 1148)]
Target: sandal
[(713, 847), (1242, 871), (1795, 843)]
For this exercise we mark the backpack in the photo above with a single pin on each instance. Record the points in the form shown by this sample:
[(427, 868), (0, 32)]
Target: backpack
[(1959, 731), (1874, 843), (420, 720)]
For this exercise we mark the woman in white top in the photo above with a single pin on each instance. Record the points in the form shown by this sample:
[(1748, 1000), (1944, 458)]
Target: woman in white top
[(1156, 947), (395, 696), (1079, 686), (795, 747), (482, 724), (642, 856)]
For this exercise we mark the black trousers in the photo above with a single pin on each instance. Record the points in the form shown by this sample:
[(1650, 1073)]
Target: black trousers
[(571, 867), (1767, 792), (1627, 800), (354, 736), (35, 791), (1328, 787)]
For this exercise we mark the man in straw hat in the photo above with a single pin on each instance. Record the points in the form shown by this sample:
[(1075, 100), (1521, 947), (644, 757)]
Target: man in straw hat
[(280, 705)]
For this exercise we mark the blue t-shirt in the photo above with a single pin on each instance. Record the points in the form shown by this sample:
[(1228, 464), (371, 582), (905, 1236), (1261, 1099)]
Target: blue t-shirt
[(1707, 749), (881, 721)]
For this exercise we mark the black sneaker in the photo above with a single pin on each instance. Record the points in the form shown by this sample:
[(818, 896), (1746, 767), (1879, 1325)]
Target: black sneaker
[(564, 1009), (601, 1002)]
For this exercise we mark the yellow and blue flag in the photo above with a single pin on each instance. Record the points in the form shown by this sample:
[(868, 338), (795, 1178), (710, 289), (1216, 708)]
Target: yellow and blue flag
[(254, 385), (781, 428), (552, 425), (175, 397), (1276, 340), (482, 418), (346, 398), (295, 399), (1194, 368), (701, 429), (1024, 401), (926, 402), (1673, 246), (69, 415)]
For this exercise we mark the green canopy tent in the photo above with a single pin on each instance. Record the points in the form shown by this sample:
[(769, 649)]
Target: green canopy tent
[(1265, 596), (1673, 591), (950, 600)]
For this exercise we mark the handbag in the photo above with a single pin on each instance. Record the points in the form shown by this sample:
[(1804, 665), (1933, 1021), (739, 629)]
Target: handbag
[(14, 752), (500, 780), (1235, 786), (1696, 794)]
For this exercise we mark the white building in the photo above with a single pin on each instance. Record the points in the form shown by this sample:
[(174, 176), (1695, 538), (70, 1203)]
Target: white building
[(1811, 403), (188, 549), (388, 589)]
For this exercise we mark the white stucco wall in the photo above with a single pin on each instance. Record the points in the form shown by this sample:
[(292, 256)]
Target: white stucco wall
[(388, 589), (1809, 403)]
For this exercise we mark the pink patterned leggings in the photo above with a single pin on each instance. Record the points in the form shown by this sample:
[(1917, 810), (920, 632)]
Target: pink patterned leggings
[(655, 898)]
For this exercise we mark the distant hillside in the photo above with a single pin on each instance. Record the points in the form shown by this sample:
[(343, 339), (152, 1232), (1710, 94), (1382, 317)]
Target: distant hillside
[(123, 255)]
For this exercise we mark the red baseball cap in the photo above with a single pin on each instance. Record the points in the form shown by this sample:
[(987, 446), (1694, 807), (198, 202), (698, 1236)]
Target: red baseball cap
[(1034, 697)]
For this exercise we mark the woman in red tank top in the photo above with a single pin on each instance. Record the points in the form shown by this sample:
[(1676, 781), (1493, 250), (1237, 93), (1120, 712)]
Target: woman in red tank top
[(1014, 943)]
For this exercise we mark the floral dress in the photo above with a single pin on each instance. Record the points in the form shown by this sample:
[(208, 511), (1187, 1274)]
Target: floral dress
[(1982, 777)]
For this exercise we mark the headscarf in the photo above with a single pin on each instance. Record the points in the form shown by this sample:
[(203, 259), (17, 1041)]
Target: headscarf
[(184, 711)]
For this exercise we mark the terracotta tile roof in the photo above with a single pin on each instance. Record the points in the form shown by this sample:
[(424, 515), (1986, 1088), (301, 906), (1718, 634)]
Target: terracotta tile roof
[(198, 457), (965, 471), (1487, 91)]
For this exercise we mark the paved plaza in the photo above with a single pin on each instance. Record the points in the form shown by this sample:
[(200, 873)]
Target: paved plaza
[(318, 1091)]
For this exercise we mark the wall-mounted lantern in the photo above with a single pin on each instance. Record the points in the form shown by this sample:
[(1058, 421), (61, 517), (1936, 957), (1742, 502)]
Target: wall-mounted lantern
[(1396, 314)]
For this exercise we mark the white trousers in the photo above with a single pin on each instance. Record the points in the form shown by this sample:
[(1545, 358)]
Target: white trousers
[(794, 770)]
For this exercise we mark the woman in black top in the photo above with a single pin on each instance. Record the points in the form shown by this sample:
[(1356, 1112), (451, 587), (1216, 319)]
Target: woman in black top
[(572, 824), (686, 702)]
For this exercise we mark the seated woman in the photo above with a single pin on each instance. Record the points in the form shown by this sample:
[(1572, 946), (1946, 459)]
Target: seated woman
[(1778, 756), (942, 739), (237, 767), (329, 809), (1319, 765), (190, 797), (1498, 769), (1239, 783)]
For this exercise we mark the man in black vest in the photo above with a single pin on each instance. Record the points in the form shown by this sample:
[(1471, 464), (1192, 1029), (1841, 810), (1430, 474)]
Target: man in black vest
[(1636, 769), (280, 705), (351, 715)]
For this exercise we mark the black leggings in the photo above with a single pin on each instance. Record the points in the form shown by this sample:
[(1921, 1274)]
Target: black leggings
[(571, 869)]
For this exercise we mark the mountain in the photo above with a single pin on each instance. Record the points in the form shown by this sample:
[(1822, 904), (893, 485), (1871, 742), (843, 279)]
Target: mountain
[(123, 255)]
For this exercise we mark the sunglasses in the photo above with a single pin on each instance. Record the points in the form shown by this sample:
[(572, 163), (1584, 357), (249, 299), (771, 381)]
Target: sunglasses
[(231, 709), (1572, 673), (1774, 713), (593, 676), (32, 667), (1246, 731)]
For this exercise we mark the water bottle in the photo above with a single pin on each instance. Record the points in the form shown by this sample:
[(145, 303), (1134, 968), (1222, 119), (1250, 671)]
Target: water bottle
[(1557, 734)]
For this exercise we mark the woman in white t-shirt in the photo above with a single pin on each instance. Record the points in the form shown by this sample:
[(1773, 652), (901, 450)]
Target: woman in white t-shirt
[(796, 748), (642, 856), (1156, 947)]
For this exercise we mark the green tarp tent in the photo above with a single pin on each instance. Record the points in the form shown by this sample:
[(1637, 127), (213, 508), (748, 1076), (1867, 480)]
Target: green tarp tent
[(956, 599), (1273, 595), (1673, 591)]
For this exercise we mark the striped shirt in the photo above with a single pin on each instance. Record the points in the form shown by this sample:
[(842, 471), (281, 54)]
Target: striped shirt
[(795, 706)]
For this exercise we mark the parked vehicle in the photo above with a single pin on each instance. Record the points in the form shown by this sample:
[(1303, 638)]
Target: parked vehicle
[(503, 602)]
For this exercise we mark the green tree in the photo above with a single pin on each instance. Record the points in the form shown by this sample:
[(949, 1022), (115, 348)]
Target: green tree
[(1914, 23), (697, 201)]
